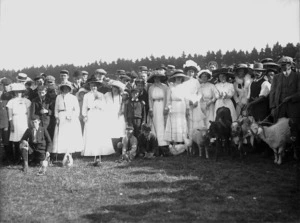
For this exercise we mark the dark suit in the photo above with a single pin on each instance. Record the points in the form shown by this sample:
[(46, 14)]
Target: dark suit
[(42, 144), (35, 110)]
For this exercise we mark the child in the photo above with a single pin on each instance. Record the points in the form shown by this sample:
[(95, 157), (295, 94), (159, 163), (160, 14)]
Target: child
[(147, 143), (36, 140), (129, 145)]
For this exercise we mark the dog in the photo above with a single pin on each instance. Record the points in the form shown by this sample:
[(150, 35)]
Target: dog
[(68, 160)]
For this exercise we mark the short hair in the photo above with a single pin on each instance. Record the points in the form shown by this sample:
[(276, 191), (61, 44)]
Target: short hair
[(42, 88)]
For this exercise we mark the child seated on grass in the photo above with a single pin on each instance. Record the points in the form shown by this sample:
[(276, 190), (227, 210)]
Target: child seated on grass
[(129, 145), (147, 143)]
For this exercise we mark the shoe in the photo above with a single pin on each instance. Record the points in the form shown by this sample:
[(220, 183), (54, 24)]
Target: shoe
[(97, 163)]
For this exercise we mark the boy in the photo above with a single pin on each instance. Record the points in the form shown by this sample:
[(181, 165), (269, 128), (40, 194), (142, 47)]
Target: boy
[(35, 141), (129, 145), (147, 143)]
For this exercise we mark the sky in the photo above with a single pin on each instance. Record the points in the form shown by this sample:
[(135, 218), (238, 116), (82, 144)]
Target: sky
[(44, 32)]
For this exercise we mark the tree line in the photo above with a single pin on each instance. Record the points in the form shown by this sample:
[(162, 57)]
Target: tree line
[(223, 59)]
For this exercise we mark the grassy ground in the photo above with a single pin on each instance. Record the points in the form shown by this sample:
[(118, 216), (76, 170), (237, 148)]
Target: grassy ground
[(172, 189)]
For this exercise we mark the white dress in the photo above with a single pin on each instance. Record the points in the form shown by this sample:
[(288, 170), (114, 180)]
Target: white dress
[(176, 127), (68, 134), (96, 139), (18, 107), (227, 88), (115, 119), (157, 99), (241, 87), (208, 93)]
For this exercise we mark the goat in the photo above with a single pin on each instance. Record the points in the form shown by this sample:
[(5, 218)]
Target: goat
[(68, 160), (276, 136)]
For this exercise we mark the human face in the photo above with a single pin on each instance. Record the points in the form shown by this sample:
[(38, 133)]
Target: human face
[(144, 75), (84, 78), (178, 80), (140, 86), (204, 78), (39, 82), (190, 73), (129, 133), (36, 123), (93, 87), (241, 73), (64, 77), (115, 90), (286, 66), (42, 93), (52, 93), (65, 89), (222, 78), (257, 73), (146, 133), (270, 76), (156, 79)]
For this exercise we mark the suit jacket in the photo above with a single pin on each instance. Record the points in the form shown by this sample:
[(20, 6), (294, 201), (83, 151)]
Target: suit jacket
[(43, 141), (293, 105), (36, 107)]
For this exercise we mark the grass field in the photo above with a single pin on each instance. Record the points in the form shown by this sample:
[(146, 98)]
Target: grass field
[(171, 189)]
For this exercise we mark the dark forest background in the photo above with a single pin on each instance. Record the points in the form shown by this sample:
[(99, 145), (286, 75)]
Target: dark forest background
[(223, 59)]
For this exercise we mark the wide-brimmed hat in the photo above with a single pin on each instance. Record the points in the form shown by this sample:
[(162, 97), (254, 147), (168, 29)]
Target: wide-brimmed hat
[(178, 73), (93, 79), (224, 70), (191, 65), (266, 60), (66, 84), (212, 63), (22, 77), (206, 71), (5, 81), (118, 84), (157, 74), (242, 66), (271, 65), (18, 87), (258, 67)]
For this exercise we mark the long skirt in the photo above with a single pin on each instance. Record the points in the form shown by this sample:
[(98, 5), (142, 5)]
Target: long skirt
[(67, 135), (196, 119), (96, 136), (176, 127), (226, 103), (158, 122)]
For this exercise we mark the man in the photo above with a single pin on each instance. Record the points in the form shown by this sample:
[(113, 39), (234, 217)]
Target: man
[(147, 143), (258, 101), (49, 81), (143, 72), (285, 95), (77, 77), (40, 107), (39, 81), (35, 141), (64, 76), (85, 76), (129, 145)]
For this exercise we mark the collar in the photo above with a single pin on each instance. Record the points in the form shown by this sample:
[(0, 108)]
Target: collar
[(287, 73)]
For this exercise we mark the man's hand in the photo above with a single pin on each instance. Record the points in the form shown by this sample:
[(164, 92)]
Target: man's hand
[(44, 111), (47, 154), (273, 112)]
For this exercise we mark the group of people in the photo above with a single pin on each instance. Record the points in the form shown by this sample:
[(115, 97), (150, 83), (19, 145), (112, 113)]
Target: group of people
[(137, 114)]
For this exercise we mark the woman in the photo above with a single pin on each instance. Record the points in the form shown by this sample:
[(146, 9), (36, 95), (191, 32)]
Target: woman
[(208, 99), (68, 135), (115, 111), (18, 114), (225, 92), (96, 138), (158, 108), (176, 127)]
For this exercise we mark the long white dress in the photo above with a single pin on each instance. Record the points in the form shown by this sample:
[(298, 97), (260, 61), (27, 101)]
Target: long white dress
[(208, 93), (176, 127), (96, 139), (18, 107), (227, 88), (115, 118), (68, 134), (157, 102)]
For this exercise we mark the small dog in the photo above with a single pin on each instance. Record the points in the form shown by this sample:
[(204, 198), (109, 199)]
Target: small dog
[(68, 160)]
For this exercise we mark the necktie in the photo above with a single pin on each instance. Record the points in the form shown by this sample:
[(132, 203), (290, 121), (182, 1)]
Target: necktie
[(34, 135)]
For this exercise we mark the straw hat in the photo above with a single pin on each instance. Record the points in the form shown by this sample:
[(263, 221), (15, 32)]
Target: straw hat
[(17, 87), (22, 77), (258, 67), (118, 84)]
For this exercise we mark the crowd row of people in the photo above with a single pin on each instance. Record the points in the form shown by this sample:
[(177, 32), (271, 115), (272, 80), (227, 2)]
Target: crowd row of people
[(143, 113)]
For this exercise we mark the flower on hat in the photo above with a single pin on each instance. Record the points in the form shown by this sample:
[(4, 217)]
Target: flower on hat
[(191, 64)]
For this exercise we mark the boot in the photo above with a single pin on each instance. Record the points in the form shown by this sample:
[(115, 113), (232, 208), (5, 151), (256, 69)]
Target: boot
[(25, 160)]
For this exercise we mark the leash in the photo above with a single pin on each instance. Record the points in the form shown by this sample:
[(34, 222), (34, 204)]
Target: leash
[(265, 119)]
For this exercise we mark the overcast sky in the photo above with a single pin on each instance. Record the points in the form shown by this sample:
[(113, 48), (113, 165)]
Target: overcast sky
[(41, 32)]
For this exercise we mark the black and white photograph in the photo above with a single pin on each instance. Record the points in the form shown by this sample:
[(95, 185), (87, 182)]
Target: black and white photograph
[(150, 111)]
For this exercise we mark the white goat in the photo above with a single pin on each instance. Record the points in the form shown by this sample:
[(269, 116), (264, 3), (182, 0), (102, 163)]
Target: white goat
[(199, 137), (276, 136)]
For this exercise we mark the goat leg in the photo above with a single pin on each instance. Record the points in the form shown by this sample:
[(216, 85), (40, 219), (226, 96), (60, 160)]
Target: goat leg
[(280, 150)]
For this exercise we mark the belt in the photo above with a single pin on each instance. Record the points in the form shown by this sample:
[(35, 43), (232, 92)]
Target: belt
[(159, 99), (177, 99)]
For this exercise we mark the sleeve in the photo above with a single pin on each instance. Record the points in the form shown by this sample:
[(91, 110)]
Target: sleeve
[(265, 89), (56, 107), (217, 93), (33, 110), (249, 91), (26, 135), (150, 98), (9, 106), (48, 141), (230, 91), (125, 144), (272, 92), (76, 106), (168, 98), (84, 106), (27, 103)]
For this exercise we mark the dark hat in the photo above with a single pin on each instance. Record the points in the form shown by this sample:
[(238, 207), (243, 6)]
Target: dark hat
[(6, 81), (271, 65), (171, 67), (156, 74), (162, 66), (93, 79), (132, 74), (178, 73), (101, 71), (22, 77), (125, 77), (258, 67), (64, 72), (242, 66), (271, 69), (146, 127), (66, 84), (84, 72), (38, 77), (224, 70), (266, 60), (120, 72), (77, 73), (208, 72), (143, 68), (129, 128)]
